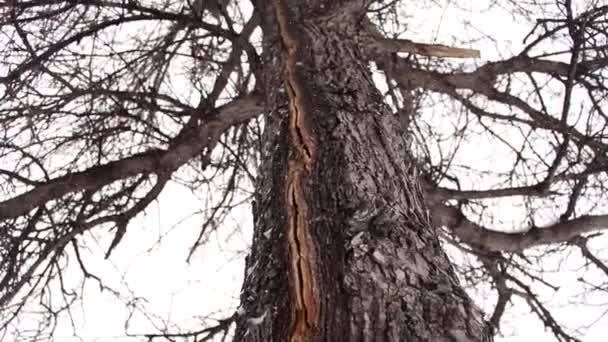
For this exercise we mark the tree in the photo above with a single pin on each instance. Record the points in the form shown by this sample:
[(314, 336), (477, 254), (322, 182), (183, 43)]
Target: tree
[(359, 187)]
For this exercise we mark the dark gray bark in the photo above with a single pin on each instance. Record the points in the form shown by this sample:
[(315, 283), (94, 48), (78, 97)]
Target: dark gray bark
[(343, 247)]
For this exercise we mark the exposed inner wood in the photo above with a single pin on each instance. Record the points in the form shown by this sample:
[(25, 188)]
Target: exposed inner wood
[(301, 251)]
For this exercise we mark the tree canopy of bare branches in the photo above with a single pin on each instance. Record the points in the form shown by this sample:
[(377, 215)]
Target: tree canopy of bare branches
[(103, 103)]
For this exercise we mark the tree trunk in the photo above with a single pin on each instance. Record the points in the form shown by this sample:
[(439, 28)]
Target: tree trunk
[(343, 249)]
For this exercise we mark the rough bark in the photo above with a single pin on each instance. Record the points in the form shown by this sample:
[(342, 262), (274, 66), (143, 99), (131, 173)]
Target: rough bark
[(343, 247)]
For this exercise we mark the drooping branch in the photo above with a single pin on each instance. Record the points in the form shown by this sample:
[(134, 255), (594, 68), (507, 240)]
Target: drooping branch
[(581, 243)]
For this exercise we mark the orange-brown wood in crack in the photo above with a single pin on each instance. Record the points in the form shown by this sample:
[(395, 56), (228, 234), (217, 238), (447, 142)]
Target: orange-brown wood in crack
[(301, 249)]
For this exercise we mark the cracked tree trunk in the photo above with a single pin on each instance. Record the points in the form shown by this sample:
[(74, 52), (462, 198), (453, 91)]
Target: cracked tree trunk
[(343, 248)]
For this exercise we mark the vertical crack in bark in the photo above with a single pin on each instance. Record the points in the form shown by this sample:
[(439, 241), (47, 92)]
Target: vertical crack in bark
[(301, 249)]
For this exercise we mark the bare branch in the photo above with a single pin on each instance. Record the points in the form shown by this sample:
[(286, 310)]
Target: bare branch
[(476, 235), (155, 161), (375, 40), (431, 50)]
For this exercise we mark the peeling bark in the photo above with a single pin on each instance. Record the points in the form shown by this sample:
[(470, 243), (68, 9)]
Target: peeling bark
[(343, 246), (300, 243)]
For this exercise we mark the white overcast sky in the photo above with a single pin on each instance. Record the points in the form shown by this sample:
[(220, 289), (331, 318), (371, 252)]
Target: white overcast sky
[(182, 293)]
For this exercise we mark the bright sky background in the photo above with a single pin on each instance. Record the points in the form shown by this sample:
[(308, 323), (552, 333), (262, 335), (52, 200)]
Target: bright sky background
[(210, 283)]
